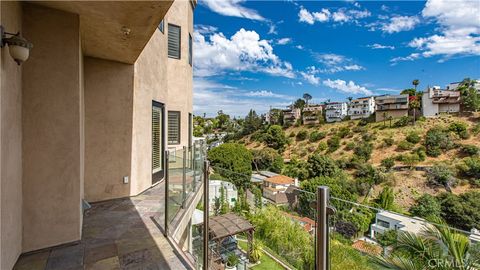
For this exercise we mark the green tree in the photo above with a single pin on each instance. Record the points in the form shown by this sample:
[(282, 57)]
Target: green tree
[(252, 122), (299, 104), (275, 138), (470, 97), (321, 165), (461, 211), (232, 161), (415, 83), (387, 238), (426, 206), (296, 168), (333, 143), (386, 199), (307, 97), (267, 159), (436, 140), (363, 151), (224, 207), (222, 119)]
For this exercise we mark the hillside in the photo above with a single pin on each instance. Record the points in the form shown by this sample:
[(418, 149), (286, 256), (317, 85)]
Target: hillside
[(388, 142)]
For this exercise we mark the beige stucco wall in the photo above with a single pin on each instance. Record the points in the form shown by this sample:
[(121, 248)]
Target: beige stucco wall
[(11, 144), (394, 113), (108, 128), (52, 129), (165, 80)]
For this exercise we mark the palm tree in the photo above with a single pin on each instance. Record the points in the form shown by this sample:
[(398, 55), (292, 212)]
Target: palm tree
[(438, 247), (349, 99), (307, 97), (415, 83)]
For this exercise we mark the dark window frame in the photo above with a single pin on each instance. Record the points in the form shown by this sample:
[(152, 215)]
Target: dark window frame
[(157, 177), (161, 26), (179, 128), (190, 49), (179, 41)]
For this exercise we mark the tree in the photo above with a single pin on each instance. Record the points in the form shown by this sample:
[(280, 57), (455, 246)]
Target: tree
[(440, 174), (252, 123), (386, 199), (321, 165), (426, 206), (275, 138), (415, 83), (232, 161), (267, 159), (307, 97), (363, 151), (470, 96), (436, 140), (461, 211), (224, 207), (387, 238), (222, 119), (439, 246), (333, 143), (299, 104)]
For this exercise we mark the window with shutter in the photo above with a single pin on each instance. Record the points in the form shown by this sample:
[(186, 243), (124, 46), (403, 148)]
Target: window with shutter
[(173, 127), (157, 142), (174, 41), (190, 49)]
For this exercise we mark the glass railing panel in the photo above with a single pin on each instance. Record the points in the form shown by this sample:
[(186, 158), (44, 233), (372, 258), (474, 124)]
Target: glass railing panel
[(175, 185)]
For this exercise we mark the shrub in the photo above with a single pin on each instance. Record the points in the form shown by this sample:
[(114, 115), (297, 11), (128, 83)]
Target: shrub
[(470, 167), (410, 159), (368, 137), (460, 129), (388, 163), (426, 206), (363, 122), (322, 146), (333, 143), (363, 151), (296, 168), (301, 135), (420, 151), (321, 165), (359, 129), (476, 129), (436, 140), (292, 134), (346, 228), (404, 145), (275, 137), (233, 161), (389, 141), (315, 136), (343, 132), (470, 150), (440, 175), (413, 137), (402, 122), (350, 146)]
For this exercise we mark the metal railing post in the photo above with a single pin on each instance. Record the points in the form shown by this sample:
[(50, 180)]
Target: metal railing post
[(184, 177), (321, 258), (206, 210), (166, 160)]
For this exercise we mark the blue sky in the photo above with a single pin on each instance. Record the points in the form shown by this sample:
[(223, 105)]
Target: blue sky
[(257, 54)]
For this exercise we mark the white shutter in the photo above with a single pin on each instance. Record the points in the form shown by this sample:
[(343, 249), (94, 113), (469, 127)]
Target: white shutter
[(174, 41)]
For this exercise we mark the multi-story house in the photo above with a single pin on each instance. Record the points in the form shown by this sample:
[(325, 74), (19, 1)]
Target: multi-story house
[(215, 192), (361, 107), (312, 114), (454, 85), (274, 188), (336, 111), (390, 221), (106, 89), (436, 101), (291, 115), (391, 106)]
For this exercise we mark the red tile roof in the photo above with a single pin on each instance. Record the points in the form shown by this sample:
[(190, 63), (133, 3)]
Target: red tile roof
[(280, 180)]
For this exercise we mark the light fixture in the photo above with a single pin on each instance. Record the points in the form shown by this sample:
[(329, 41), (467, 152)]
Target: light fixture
[(18, 46)]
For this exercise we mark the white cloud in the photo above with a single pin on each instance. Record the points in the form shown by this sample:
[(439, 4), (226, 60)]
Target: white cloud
[(400, 23), (205, 29), (336, 63), (284, 41), (300, 47), (210, 97), (384, 8), (342, 15), (410, 57), (232, 8), (309, 75), (345, 87), (244, 51), (458, 34), (388, 89), (380, 46)]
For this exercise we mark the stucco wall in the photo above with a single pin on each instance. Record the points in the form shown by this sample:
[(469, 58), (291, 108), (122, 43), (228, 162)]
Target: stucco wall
[(394, 113), (108, 128), (11, 144), (428, 108), (52, 129)]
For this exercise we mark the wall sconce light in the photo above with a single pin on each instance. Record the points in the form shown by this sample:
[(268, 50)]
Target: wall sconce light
[(18, 46)]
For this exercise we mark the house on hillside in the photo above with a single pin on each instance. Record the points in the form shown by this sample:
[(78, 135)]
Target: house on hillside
[(291, 115), (308, 224), (474, 237), (361, 107), (312, 114), (274, 188), (336, 111), (391, 106), (436, 101), (454, 85), (385, 220), (214, 191)]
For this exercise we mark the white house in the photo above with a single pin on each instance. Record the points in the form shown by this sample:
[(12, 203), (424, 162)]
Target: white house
[(436, 101), (390, 221), (474, 236), (455, 85), (214, 192), (336, 111), (361, 107)]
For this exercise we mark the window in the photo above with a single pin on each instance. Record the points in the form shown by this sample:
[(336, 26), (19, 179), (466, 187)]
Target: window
[(174, 41), (161, 26), (173, 127), (190, 49), (383, 223), (190, 129), (157, 141)]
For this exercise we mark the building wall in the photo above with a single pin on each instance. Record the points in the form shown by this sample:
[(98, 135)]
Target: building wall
[(394, 113), (11, 144), (108, 128), (52, 129), (428, 108), (449, 108)]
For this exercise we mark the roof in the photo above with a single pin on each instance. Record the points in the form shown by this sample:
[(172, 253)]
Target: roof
[(413, 225), (307, 223), (257, 178), (280, 180), (228, 225), (367, 248), (267, 173)]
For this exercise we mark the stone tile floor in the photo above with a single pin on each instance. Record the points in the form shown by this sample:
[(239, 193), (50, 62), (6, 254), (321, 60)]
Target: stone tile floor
[(117, 234)]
